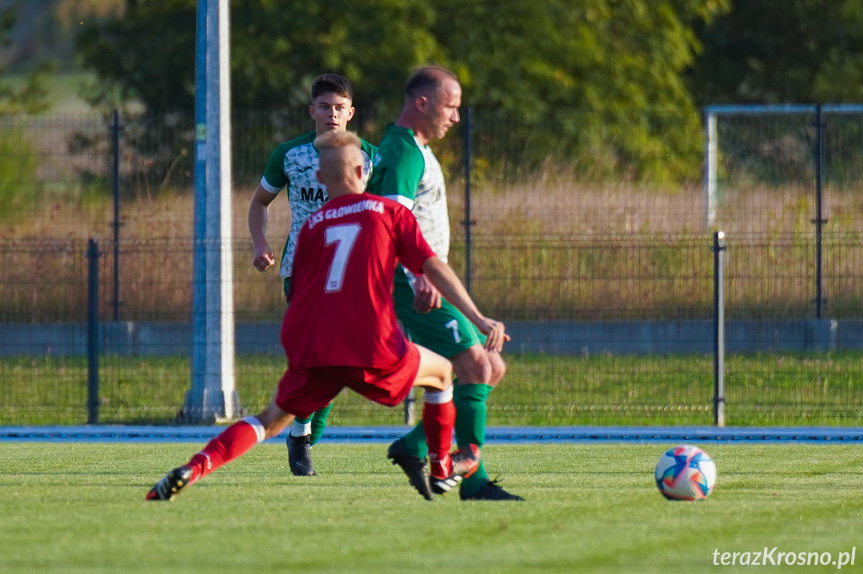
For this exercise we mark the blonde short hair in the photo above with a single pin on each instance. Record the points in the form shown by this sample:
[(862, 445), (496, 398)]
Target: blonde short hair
[(338, 151), (337, 139)]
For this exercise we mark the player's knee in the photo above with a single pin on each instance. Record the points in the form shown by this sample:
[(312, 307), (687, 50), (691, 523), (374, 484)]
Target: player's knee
[(474, 366), (446, 383), (443, 371), (498, 369), (447, 374), (444, 377)]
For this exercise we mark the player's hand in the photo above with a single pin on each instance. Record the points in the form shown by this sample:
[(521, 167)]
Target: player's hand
[(264, 258), (426, 297), (495, 333)]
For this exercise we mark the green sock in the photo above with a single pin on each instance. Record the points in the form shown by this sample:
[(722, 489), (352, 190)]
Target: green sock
[(319, 422), (470, 416), (415, 441)]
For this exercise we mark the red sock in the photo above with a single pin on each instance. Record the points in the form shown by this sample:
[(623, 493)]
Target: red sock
[(438, 421), (233, 442)]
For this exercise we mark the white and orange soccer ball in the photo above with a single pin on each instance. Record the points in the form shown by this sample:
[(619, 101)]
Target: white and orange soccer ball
[(685, 472)]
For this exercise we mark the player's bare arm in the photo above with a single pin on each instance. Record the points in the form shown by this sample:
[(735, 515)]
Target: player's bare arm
[(447, 282), (258, 211)]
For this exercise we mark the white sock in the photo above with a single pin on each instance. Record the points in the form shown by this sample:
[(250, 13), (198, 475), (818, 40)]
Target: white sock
[(301, 429), (260, 431), (437, 397)]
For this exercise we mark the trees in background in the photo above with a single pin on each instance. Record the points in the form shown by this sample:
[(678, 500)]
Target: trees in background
[(516, 54), (616, 85), (29, 96), (619, 63), (277, 48), (16, 177), (794, 51), (521, 56), (606, 77)]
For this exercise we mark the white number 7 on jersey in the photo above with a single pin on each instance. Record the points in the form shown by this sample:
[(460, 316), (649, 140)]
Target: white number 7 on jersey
[(344, 237), (454, 326)]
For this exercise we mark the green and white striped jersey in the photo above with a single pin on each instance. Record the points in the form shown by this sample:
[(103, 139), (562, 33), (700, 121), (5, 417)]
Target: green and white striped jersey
[(295, 164), (408, 172)]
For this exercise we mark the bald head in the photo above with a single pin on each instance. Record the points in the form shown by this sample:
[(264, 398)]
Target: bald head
[(340, 163), (427, 81), (432, 100)]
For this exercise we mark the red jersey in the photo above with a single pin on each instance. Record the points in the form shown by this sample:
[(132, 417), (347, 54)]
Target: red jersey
[(341, 295)]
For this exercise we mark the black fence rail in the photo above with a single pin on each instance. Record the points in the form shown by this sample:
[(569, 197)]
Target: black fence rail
[(621, 334), (596, 253), (567, 172), (527, 278)]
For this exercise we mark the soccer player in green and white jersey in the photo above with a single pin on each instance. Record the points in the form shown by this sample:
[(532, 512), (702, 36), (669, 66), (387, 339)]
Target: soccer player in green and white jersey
[(407, 171), (294, 164)]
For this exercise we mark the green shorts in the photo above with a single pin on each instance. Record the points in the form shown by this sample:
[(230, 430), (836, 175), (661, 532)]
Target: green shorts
[(445, 331), (287, 283)]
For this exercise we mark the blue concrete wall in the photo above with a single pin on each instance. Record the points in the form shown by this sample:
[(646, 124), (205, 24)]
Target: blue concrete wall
[(565, 338)]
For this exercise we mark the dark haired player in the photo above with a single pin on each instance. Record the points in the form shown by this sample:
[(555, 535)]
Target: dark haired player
[(294, 164)]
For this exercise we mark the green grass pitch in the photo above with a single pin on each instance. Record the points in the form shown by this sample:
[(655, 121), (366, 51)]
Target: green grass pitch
[(74, 507)]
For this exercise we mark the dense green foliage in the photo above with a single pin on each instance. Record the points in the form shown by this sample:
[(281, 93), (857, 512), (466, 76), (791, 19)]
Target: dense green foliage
[(515, 54), (276, 50), (621, 62), (29, 97), (518, 55), (605, 74), (800, 51), (17, 177)]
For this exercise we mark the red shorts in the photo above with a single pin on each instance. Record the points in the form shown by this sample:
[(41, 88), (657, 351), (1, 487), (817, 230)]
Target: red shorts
[(301, 393)]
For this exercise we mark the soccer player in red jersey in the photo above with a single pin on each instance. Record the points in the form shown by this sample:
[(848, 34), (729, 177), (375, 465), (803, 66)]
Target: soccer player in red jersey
[(340, 329)]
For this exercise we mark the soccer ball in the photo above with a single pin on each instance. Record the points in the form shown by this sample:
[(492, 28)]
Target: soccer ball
[(685, 472)]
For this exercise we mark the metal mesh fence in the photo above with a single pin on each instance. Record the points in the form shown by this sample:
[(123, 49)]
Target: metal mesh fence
[(599, 261)]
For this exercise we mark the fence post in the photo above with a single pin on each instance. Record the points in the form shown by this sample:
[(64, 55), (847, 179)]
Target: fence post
[(718, 329), (819, 220), (710, 161), (115, 175), (468, 222), (93, 331)]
